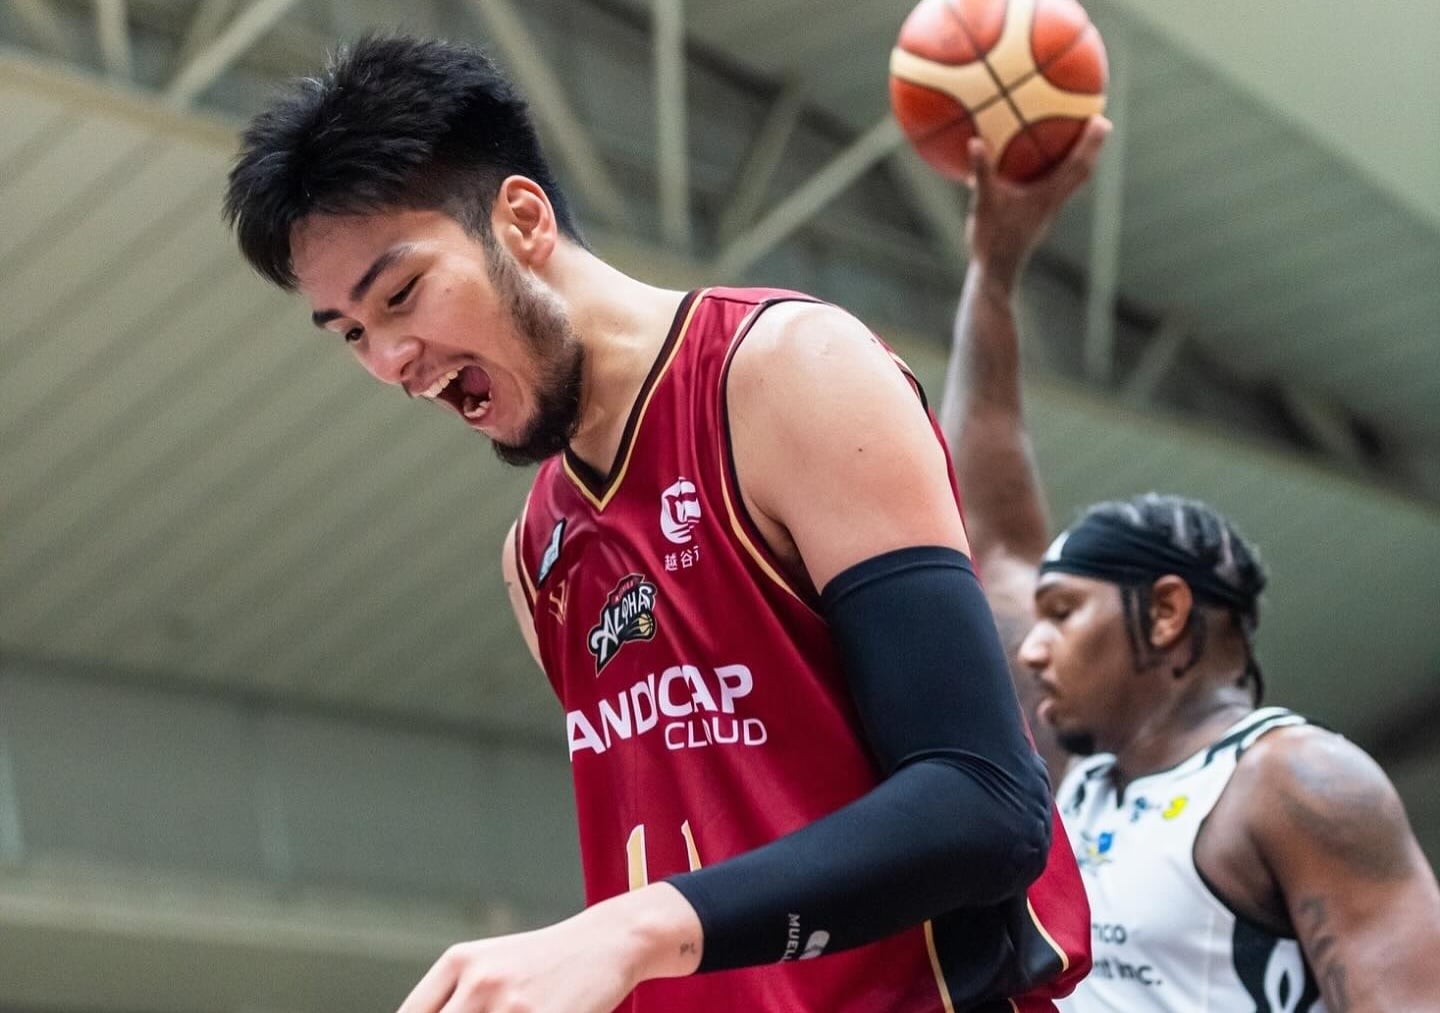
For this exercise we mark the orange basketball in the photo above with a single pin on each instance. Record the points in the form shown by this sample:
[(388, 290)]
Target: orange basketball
[(1023, 74)]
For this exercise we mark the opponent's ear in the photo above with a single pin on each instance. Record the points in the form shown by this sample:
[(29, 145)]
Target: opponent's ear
[(523, 221), (1170, 606)]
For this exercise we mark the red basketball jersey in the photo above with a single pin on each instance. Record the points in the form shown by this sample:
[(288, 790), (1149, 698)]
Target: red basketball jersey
[(707, 713)]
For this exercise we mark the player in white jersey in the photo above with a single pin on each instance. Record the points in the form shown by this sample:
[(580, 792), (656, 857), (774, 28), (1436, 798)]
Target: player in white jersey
[(1235, 858)]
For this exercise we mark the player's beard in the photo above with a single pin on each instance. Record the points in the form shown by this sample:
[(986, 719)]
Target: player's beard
[(559, 361), (1076, 743)]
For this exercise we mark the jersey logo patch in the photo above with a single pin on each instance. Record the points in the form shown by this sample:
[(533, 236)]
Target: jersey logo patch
[(1095, 851), (628, 614), (679, 511), (1143, 806), (552, 552)]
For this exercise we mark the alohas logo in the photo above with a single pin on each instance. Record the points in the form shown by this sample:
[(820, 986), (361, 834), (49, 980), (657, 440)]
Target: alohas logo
[(629, 614)]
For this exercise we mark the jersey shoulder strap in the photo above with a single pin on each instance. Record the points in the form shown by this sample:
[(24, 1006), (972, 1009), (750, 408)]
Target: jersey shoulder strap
[(1244, 735)]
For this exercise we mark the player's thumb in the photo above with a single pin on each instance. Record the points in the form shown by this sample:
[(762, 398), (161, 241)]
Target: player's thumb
[(1082, 160), (980, 164)]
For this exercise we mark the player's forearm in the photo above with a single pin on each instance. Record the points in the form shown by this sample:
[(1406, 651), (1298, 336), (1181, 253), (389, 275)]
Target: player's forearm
[(656, 929), (963, 817), (983, 421)]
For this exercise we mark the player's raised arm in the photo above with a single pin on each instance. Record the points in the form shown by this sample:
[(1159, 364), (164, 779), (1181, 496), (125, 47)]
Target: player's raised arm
[(1356, 887), (840, 468), (981, 412)]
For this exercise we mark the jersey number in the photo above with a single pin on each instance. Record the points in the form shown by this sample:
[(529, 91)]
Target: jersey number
[(639, 865)]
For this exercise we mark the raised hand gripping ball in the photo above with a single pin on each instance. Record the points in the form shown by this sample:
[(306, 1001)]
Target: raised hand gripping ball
[(1025, 75)]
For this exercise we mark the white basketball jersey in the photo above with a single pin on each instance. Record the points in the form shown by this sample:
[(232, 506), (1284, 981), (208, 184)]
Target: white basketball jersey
[(1163, 941)]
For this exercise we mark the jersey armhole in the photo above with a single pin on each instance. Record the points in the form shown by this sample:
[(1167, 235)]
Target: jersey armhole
[(521, 570), (746, 531), (1271, 719)]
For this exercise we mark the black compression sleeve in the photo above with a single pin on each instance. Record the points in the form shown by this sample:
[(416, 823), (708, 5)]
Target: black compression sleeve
[(962, 818)]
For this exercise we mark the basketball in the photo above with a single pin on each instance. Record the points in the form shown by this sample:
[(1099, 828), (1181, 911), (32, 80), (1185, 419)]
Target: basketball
[(1024, 75)]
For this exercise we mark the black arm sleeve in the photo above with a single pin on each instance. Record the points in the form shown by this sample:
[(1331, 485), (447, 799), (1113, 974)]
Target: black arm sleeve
[(962, 818)]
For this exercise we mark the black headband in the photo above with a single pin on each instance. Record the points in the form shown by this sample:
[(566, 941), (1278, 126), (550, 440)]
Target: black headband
[(1109, 548)]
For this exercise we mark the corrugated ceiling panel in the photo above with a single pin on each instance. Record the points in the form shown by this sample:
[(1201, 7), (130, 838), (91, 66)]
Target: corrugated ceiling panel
[(197, 483), (42, 282), (83, 160)]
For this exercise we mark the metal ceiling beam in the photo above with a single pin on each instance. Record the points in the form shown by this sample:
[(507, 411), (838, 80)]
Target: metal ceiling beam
[(939, 203), (45, 27), (820, 189), (1326, 423), (1105, 226), (12, 838), (553, 110), (1156, 361), (204, 25), (763, 159), (214, 59), (112, 28), (672, 156)]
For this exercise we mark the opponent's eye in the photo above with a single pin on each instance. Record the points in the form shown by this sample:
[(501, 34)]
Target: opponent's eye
[(399, 297), (354, 334)]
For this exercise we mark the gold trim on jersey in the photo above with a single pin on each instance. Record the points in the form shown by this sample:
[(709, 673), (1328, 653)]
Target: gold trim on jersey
[(939, 971), (526, 584), (612, 485), (1049, 939), (726, 448)]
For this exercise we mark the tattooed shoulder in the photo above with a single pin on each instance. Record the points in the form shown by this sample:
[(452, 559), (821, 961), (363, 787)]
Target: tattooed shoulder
[(1317, 791)]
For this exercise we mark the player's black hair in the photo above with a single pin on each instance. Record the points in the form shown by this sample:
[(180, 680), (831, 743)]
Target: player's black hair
[(1203, 532), (392, 123)]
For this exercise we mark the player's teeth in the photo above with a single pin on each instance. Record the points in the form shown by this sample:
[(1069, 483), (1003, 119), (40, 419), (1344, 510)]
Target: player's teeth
[(441, 384)]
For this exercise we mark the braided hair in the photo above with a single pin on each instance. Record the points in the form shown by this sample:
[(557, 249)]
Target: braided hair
[(1202, 532)]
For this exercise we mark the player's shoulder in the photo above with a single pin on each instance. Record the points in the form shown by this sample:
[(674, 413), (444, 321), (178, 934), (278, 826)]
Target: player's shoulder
[(795, 349), (1306, 788), (1305, 758), (803, 330)]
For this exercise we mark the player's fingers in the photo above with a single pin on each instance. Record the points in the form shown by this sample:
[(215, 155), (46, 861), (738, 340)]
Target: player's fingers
[(438, 985), (1080, 163), (980, 167)]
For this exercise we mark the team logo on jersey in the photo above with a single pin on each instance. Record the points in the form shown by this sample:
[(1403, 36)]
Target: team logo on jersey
[(628, 614), (1095, 851), (679, 511), (552, 552), (1143, 806)]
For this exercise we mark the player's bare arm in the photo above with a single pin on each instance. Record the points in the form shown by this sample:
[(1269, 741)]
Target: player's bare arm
[(1354, 884), (585, 964), (981, 413), (835, 454), (516, 594)]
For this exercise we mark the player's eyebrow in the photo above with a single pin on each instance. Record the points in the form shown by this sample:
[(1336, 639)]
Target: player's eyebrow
[(382, 263)]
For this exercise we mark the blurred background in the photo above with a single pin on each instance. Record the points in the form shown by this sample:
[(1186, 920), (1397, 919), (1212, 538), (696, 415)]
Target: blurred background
[(268, 739)]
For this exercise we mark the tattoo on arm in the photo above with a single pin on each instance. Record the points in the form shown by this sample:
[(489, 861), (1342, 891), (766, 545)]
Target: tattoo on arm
[(1320, 936), (1338, 798)]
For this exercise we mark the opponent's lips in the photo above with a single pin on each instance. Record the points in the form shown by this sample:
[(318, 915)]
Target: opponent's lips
[(466, 389)]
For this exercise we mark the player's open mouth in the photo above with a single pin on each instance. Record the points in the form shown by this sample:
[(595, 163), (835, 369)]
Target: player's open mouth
[(467, 390)]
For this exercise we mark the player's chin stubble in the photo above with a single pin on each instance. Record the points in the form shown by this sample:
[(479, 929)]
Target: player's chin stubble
[(559, 356), (1076, 743)]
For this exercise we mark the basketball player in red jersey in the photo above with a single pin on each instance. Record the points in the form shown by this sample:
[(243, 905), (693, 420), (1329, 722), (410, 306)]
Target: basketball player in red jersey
[(797, 753), (1236, 857)]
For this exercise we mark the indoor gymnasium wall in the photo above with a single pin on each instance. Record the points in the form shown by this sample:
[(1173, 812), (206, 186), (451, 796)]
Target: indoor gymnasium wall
[(154, 837)]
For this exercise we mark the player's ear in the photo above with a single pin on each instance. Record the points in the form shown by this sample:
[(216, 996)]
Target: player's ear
[(1170, 605), (522, 221)]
